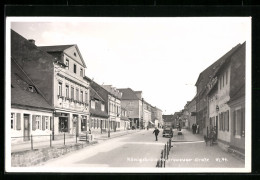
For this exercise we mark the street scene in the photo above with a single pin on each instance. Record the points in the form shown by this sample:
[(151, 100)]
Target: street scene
[(99, 93), (189, 151)]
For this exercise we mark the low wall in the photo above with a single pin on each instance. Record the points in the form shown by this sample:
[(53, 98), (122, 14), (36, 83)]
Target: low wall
[(36, 156)]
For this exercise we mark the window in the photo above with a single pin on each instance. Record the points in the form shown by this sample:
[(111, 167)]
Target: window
[(81, 72), (223, 80), (75, 54), (72, 92), (81, 96), (75, 68), (67, 63), (38, 122), (92, 104), (86, 97), (12, 120), (77, 94), (67, 91), (31, 88), (60, 89), (102, 107), (46, 122), (226, 77), (239, 123)]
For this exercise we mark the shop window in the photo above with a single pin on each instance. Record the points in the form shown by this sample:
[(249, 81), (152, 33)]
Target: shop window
[(12, 120), (63, 124)]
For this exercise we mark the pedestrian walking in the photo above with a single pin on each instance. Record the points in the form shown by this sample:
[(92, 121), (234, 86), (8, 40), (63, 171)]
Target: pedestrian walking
[(156, 132), (197, 129)]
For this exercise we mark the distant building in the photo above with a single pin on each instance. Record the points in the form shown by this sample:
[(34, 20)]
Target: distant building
[(169, 120), (132, 101), (147, 115), (124, 121), (98, 113), (191, 108), (157, 119)]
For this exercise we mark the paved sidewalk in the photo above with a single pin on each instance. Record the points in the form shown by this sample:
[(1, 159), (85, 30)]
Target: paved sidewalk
[(190, 151), (38, 144)]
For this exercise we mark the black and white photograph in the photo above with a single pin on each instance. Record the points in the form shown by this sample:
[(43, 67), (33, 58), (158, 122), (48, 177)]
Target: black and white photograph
[(128, 94)]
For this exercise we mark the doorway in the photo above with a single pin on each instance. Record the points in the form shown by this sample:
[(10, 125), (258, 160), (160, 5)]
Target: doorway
[(26, 132)]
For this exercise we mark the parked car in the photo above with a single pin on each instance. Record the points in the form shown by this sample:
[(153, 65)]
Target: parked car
[(167, 132)]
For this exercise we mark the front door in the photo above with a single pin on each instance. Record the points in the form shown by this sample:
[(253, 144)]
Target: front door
[(26, 133)]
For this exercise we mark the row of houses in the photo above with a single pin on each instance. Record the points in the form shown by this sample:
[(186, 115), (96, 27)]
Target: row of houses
[(50, 94), (220, 101)]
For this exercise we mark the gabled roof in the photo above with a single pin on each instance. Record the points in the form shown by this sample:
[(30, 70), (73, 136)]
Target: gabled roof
[(98, 113), (56, 48), (61, 49), (209, 72), (94, 94), (128, 94), (240, 93), (20, 94), (168, 118), (112, 91)]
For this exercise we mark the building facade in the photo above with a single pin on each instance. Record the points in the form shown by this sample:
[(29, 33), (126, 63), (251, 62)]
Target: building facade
[(98, 114), (132, 101), (191, 108), (31, 114), (58, 73)]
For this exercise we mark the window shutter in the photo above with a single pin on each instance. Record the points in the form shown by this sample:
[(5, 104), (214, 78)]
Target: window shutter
[(33, 122), (227, 120), (242, 122), (18, 121), (234, 120), (51, 123), (43, 123)]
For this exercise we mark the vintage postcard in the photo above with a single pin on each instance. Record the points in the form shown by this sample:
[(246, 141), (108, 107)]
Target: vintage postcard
[(128, 94)]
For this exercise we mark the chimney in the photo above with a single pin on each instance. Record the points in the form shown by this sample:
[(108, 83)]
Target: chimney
[(31, 41)]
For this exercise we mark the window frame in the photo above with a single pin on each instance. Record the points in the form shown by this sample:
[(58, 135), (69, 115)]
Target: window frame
[(77, 94), (38, 122), (13, 119), (67, 62), (75, 68), (67, 91), (60, 88)]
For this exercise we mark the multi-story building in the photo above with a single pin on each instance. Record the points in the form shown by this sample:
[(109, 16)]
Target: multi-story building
[(125, 122), (98, 113), (191, 108), (31, 114), (201, 96), (112, 98), (228, 81), (147, 115), (156, 116), (58, 72), (168, 120), (132, 101)]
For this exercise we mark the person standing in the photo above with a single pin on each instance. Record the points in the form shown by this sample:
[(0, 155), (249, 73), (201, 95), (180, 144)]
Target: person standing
[(197, 129), (156, 132)]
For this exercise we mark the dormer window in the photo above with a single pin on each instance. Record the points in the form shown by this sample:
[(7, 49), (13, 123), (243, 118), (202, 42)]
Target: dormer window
[(31, 89)]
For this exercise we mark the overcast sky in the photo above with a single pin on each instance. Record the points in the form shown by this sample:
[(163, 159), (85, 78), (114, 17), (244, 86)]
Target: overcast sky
[(162, 57)]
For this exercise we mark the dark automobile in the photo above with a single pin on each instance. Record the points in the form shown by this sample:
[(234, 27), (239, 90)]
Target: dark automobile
[(167, 132)]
